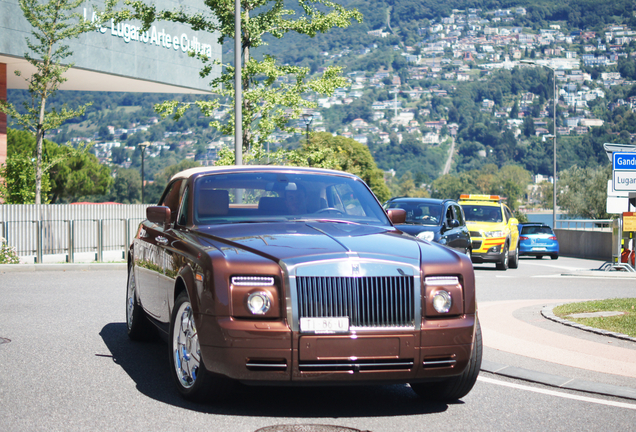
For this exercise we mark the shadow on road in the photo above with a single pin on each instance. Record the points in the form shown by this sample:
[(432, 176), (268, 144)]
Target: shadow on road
[(147, 365)]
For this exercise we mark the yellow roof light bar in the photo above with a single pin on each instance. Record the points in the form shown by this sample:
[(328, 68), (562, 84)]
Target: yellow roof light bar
[(479, 197)]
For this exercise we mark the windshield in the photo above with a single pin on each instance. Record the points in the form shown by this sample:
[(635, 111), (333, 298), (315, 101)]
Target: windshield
[(267, 196), (482, 213), (420, 213)]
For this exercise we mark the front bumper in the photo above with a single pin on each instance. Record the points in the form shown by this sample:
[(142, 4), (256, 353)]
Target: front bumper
[(253, 353), (487, 249)]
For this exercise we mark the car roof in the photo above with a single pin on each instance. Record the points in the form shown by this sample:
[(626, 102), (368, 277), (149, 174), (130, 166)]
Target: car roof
[(535, 224), (420, 200), (253, 168)]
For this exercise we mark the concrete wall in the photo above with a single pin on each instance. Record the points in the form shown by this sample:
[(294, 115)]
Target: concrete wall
[(585, 244)]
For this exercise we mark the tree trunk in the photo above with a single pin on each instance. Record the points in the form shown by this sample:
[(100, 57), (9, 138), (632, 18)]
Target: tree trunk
[(39, 144)]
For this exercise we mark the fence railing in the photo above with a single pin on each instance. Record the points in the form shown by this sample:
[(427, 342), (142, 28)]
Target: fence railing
[(585, 224), (36, 231)]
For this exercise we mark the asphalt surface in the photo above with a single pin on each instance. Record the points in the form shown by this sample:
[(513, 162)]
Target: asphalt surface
[(510, 327)]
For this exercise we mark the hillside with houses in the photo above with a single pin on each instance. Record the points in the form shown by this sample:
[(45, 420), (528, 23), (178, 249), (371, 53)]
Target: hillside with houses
[(479, 77)]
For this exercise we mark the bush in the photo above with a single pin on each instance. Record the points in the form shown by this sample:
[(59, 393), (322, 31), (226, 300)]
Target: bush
[(8, 254)]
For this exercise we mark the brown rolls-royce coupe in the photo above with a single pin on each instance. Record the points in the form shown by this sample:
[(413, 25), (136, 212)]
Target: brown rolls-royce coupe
[(286, 275)]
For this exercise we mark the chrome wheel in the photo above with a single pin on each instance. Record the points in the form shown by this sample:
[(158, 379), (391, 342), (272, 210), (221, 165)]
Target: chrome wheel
[(185, 346)]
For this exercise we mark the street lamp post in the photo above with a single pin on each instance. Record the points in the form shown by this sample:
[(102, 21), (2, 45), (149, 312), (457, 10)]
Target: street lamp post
[(143, 149), (238, 91), (554, 135), (308, 118)]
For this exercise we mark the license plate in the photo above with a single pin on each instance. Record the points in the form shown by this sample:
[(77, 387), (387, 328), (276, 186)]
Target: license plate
[(538, 248), (324, 325)]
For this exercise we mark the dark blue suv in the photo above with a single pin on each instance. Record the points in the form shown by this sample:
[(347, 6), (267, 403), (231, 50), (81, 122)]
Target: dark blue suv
[(438, 220)]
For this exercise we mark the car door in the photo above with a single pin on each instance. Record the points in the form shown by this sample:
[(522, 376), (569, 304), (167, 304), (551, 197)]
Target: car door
[(463, 235), (152, 255), (513, 225), (452, 232)]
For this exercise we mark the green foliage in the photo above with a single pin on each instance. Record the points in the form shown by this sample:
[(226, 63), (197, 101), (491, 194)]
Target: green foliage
[(126, 188), (323, 151), (509, 182), (8, 254), (18, 185), (68, 173), (269, 101), (582, 192)]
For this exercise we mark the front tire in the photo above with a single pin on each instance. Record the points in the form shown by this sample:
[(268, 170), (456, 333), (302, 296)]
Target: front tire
[(137, 324), (514, 261), (457, 387), (193, 381), (503, 264)]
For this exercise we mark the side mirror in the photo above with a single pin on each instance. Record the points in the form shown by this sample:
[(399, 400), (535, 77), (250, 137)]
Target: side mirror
[(159, 214), (396, 216), (453, 223)]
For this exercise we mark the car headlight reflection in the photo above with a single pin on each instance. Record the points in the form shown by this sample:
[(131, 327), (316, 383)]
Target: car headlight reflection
[(442, 301), (258, 302), (426, 235)]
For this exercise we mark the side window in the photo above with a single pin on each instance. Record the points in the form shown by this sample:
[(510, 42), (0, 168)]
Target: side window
[(171, 198), (183, 209), (508, 213), (449, 215), (459, 214)]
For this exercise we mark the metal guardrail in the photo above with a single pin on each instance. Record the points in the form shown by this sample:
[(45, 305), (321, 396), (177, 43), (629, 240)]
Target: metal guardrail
[(585, 224), (54, 237)]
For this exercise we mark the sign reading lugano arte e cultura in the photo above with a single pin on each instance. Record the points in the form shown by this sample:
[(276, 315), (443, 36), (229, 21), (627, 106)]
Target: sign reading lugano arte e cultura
[(132, 33)]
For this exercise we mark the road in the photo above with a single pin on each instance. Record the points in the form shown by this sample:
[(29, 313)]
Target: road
[(68, 365), (449, 159)]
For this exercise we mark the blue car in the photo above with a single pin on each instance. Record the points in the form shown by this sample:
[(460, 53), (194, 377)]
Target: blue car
[(538, 239)]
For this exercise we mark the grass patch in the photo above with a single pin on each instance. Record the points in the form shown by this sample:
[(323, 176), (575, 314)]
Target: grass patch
[(625, 324)]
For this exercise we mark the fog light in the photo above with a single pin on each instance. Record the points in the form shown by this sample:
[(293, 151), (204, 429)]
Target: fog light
[(442, 301), (258, 303)]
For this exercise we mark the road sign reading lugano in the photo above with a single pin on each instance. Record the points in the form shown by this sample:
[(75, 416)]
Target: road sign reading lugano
[(624, 171)]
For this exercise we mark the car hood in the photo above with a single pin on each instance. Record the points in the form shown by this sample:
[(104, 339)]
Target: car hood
[(297, 241), (415, 229)]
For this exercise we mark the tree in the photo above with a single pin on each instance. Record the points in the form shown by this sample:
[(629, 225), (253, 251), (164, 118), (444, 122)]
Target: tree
[(67, 172), (265, 96), (53, 23), (322, 151), (127, 186), (582, 192)]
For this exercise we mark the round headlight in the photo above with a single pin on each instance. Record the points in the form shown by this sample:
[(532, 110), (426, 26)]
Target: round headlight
[(258, 303), (442, 301), (426, 235)]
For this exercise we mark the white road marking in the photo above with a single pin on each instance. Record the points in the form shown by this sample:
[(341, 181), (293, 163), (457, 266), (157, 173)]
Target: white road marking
[(557, 394)]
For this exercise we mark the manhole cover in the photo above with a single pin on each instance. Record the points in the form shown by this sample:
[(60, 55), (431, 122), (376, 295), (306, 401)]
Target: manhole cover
[(307, 428), (596, 314), (4, 340)]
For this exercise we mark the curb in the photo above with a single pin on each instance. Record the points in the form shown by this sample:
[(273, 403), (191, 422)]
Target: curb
[(547, 313), (11, 268), (558, 381)]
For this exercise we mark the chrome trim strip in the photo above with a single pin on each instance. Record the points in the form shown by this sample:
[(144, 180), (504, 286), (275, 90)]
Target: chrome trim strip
[(362, 365), (438, 363), (267, 365)]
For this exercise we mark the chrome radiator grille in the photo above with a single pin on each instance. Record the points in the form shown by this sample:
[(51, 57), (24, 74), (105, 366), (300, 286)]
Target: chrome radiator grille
[(371, 302)]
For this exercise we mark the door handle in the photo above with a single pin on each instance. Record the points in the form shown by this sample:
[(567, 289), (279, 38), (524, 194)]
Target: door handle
[(161, 240)]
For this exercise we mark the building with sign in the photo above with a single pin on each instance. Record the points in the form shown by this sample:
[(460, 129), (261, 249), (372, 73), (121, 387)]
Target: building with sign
[(115, 57)]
